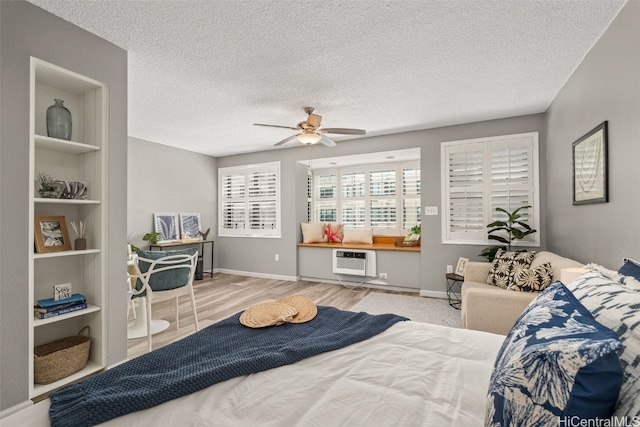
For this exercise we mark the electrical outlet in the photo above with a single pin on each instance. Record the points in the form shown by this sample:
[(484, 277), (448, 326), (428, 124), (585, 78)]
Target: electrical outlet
[(449, 268), (277, 257), (431, 210), (382, 275)]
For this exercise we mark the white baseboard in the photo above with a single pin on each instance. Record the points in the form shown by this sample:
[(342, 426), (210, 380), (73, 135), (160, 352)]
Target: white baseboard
[(433, 294), (260, 275), (373, 283), (12, 410)]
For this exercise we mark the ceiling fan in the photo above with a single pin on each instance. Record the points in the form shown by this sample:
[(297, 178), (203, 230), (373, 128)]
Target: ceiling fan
[(311, 132)]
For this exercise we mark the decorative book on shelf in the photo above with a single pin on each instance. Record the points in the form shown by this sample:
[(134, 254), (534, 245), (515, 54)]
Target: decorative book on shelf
[(49, 307), (64, 310), (50, 302)]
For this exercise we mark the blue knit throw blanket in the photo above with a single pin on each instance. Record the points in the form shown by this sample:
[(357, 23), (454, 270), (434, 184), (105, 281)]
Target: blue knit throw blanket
[(217, 353)]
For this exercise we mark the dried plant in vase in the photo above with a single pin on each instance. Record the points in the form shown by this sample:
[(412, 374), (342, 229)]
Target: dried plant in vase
[(80, 243)]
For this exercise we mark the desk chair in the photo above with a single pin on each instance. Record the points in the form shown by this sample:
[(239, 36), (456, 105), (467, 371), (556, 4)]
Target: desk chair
[(161, 276)]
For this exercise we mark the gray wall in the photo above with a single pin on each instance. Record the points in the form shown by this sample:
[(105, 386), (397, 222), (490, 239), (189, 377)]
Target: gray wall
[(164, 179), (606, 86), (26, 30), (257, 255)]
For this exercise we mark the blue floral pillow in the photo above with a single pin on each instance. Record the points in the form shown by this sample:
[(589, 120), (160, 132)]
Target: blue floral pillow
[(557, 361)]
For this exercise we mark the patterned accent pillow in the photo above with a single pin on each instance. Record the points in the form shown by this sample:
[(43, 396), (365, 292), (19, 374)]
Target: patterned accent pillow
[(557, 362), (333, 232), (533, 279), (616, 306), (506, 265), (630, 268)]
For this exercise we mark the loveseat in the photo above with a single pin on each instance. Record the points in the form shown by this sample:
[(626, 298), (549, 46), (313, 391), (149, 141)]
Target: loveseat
[(489, 308)]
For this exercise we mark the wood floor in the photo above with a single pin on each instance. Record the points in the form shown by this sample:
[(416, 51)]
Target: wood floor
[(226, 294)]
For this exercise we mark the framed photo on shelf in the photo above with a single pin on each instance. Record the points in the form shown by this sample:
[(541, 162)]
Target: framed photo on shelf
[(190, 225), (167, 226), (462, 264), (51, 234), (590, 167)]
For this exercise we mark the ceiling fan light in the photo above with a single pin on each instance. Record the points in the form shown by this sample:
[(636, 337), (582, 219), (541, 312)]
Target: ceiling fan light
[(309, 138)]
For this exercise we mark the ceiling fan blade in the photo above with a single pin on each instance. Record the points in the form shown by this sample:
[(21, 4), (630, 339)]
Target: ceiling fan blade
[(275, 126), (314, 120), (284, 141), (327, 141), (343, 131)]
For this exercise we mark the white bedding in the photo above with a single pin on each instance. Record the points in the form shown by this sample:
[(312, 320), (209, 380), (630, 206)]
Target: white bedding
[(413, 374)]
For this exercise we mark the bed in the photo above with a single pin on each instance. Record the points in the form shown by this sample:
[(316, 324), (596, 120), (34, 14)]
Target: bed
[(418, 374)]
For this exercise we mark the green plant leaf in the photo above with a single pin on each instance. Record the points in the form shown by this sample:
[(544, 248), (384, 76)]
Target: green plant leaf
[(512, 227), (497, 224), (499, 239)]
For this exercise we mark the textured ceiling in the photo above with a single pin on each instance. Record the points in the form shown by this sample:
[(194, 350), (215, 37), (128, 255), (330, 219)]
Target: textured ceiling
[(202, 72)]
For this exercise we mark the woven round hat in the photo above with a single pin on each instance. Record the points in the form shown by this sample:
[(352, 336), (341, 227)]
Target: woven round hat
[(267, 314), (307, 309)]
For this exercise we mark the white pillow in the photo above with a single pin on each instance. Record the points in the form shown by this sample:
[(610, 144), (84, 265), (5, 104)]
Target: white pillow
[(312, 232), (358, 235)]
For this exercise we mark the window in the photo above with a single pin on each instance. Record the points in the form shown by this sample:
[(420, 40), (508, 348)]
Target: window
[(385, 197), (249, 200), (482, 174)]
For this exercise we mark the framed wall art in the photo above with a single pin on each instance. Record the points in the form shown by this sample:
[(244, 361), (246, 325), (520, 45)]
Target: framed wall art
[(51, 234), (190, 225), (167, 225), (590, 167)]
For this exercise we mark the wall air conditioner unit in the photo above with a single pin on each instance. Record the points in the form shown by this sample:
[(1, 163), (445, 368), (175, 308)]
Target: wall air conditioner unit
[(354, 262)]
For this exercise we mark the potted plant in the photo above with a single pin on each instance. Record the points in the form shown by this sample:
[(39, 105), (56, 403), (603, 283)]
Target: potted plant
[(506, 231), (411, 239), (152, 237), (47, 186)]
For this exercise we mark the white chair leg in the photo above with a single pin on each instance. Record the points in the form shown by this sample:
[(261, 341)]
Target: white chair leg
[(193, 307)]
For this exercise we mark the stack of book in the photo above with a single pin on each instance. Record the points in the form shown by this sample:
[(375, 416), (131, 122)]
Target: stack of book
[(49, 307)]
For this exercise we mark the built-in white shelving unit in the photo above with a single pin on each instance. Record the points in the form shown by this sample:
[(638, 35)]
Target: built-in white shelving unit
[(84, 159)]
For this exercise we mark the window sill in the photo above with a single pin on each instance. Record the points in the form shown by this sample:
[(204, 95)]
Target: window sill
[(380, 243)]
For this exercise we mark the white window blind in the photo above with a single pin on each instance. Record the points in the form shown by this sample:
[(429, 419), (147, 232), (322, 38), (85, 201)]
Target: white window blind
[(249, 200), (482, 174), (385, 197)]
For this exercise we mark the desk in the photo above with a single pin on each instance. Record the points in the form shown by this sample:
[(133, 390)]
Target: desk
[(202, 243), (139, 328), (454, 285)]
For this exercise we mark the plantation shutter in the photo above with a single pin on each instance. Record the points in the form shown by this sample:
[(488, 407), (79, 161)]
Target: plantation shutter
[(233, 206), (481, 175), (410, 196), (385, 196), (465, 190), (511, 165), (353, 204), (325, 196), (250, 200)]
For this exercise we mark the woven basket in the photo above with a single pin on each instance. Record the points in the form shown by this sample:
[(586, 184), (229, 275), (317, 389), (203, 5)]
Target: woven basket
[(401, 242), (61, 358)]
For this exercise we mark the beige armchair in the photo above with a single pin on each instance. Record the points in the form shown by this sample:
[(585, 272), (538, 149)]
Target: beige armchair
[(492, 309)]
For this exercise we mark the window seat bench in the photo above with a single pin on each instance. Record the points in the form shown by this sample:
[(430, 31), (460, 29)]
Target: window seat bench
[(380, 243)]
